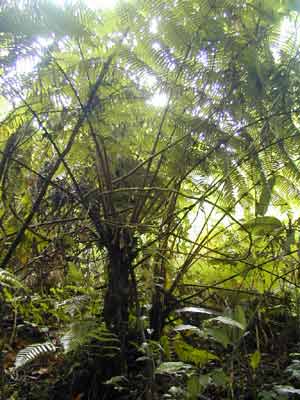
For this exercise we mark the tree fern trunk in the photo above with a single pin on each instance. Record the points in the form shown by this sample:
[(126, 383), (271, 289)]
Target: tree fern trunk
[(158, 313), (116, 300), (118, 294)]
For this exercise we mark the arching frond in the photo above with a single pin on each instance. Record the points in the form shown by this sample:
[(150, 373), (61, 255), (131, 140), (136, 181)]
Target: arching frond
[(32, 352)]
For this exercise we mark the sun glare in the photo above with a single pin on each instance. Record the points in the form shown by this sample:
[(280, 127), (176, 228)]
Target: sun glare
[(93, 4), (289, 33), (159, 99)]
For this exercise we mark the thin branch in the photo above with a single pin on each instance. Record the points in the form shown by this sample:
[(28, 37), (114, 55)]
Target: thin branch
[(82, 118)]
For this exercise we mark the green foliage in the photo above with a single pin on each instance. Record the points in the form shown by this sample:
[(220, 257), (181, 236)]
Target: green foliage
[(227, 330), (197, 384), (263, 225), (172, 367), (287, 390), (83, 333), (188, 353), (255, 359), (9, 280), (149, 174)]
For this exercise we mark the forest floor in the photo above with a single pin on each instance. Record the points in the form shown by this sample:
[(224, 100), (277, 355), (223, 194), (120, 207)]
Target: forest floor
[(264, 364)]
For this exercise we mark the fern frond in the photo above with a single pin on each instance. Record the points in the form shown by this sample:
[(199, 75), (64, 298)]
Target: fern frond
[(75, 304), (287, 192), (9, 280), (81, 333), (32, 352)]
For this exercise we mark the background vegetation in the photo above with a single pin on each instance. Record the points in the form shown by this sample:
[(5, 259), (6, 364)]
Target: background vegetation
[(149, 188)]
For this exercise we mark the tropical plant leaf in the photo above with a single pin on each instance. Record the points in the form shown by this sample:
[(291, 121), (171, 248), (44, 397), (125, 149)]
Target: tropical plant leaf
[(192, 328), (219, 335), (282, 389), (188, 353), (196, 310), (263, 225), (226, 321), (172, 367), (255, 359)]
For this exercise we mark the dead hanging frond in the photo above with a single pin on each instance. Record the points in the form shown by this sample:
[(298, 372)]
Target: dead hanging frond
[(8, 152)]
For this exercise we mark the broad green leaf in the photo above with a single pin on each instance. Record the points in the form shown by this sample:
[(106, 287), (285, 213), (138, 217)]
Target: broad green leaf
[(196, 310), (269, 395), (286, 389), (226, 321), (194, 387), (238, 315), (172, 367), (180, 328), (294, 369), (116, 380), (255, 359), (219, 335), (219, 377), (263, 225)]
